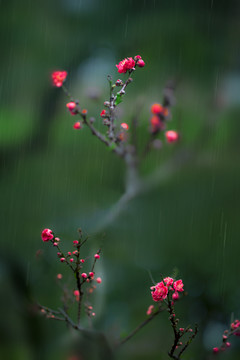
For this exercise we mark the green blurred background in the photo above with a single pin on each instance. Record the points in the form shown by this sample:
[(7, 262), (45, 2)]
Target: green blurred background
[(55, 177)]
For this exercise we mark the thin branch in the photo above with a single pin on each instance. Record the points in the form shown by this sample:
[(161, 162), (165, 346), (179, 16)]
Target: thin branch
[(143, 185), (66, 91), (47, 309), (70, 321), (95, 131), (139, 327), (65, 257), (94, 261), (189, 341)]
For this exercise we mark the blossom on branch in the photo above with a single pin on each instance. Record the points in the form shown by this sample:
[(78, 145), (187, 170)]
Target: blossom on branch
[(72, 107), (156, 124), (178, 286), (47, 235), (158, 109), (125, 126), (171, 136), (125, 65), (77, 125), (159, 292), (168, 281), (58, 77)]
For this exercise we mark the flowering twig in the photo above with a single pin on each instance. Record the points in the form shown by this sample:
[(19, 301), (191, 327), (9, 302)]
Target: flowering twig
[(82, 278), (233, 330), (167, 291), (117, 141), (178, 332)]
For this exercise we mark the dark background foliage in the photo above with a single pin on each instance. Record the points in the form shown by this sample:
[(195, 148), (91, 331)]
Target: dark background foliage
[(52, 176)]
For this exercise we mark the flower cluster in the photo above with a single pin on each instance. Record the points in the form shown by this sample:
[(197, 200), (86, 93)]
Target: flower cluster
[(76, 263), (58, 77), (234, 330), (129, 64), (165, 293), (116, 135), (235, 327), (168, 286)]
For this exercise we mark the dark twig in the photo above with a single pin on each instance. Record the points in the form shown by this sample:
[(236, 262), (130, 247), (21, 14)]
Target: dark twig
[(139, 327), (188, 341), (178, 333)]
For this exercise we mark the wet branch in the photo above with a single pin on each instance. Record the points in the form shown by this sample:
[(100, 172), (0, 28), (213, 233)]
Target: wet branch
[(139, 327)]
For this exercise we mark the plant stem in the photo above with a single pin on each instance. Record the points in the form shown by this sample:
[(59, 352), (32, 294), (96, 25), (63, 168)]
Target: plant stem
[(139, 327)]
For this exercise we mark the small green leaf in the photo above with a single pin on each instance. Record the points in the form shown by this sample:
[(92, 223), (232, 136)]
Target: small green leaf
[(118, 99)]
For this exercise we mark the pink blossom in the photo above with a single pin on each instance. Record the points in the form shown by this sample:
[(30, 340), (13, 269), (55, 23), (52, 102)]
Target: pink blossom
[(175, 296), (171, 136), (59, 276), (91, 274), (215, 350), (77, 294), (98, 280), (160, 292), (141, 63), (82, 261), (156, 124), (125, 126), (103, 113), (156, 109), (150, 309), (58, 77), (71, 260), (62, 259), (97, 256), (125, 65), (84, 275), (47, 235), (72, 107), (168, 281), (235, 324), (178, 285), (75, 242), (77, 125)]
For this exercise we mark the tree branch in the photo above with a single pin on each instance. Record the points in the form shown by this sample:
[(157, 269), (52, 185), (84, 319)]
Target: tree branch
[(139, 327)]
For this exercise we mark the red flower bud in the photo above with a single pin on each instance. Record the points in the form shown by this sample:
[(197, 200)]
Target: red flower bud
[(125, 126), (171, 136), (77, 125), (140, 63)]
